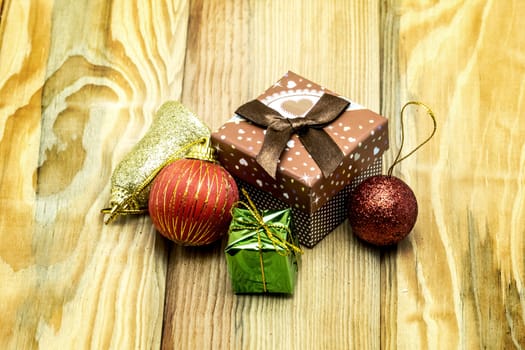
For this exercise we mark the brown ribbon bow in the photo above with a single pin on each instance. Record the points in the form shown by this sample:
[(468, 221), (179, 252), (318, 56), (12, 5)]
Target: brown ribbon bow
[(318, 143)]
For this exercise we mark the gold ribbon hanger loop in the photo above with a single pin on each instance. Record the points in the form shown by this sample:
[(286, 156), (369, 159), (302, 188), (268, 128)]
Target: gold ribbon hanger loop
[(430, 113)]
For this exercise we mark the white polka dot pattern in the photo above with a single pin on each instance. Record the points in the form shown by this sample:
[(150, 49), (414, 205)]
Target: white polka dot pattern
[(360, 134)]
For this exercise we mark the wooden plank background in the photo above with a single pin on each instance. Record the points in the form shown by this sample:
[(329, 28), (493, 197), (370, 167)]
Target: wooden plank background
[(79, 84)]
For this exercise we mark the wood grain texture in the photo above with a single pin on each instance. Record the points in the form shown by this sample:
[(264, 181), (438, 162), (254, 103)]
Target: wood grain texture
[(236, 50), (79, 85), (458, 281)]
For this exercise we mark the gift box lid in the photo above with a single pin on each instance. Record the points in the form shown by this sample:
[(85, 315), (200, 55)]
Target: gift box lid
[(360, 134)]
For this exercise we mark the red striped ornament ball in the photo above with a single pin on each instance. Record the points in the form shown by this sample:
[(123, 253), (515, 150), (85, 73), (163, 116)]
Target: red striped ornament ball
[(190, 201)]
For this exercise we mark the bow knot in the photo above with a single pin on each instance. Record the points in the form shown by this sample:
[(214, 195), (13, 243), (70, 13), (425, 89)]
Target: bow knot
[(309, 129), (300, 125)]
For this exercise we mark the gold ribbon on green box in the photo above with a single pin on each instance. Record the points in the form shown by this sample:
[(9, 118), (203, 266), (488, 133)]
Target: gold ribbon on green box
[(262, 254)]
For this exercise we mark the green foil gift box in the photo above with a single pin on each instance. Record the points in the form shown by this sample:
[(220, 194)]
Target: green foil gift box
[(262, 254)]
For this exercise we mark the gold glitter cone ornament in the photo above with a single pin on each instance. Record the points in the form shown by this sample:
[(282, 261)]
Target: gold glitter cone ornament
[(172, 134)]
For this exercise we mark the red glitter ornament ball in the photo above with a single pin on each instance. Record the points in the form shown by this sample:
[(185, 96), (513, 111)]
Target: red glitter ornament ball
[(190, 201), (382, 210)]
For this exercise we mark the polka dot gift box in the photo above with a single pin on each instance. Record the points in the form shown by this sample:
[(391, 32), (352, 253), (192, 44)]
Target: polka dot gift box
[(302, 146)]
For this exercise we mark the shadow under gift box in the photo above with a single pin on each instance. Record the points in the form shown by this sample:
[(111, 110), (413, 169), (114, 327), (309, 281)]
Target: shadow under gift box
[(319, 204)]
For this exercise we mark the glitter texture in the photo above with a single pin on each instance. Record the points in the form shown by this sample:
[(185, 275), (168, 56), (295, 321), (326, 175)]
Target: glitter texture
[(382, 210), (171, 135)]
